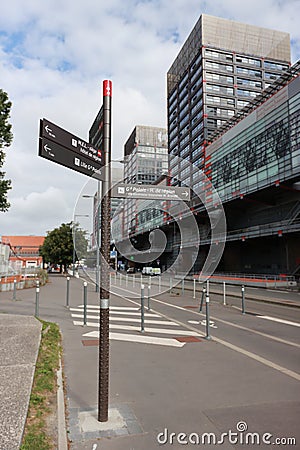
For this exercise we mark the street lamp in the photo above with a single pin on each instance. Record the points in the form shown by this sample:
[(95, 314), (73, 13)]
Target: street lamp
[(76, 215)]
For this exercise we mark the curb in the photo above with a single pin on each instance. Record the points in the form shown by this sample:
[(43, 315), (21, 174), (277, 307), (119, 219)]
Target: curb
[(61, 416)]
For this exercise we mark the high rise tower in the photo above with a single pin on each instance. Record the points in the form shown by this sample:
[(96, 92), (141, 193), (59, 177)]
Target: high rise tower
[(221, 67)]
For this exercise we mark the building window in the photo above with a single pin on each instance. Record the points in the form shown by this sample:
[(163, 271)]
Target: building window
[(216, 66), (197, 74), (245, 60), (221, 78), (275, 66), (218, 55), (271, 76), (219, 89), (252, 83), (252, 72), (245, 93)]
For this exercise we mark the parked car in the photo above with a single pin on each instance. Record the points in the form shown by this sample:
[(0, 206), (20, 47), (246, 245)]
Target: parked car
[(54, 268)]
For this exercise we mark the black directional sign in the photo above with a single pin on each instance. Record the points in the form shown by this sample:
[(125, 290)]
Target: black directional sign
[(60, 155), (150, 192), (69, 141), (66, 149)]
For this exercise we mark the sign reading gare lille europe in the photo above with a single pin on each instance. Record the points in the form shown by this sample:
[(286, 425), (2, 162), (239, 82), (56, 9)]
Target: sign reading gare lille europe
[(68, 150)]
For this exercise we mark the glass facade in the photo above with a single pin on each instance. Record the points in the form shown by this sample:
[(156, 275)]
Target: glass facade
[(264, 152)]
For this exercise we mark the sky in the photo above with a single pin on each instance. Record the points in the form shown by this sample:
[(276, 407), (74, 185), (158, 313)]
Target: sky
[(54, 56)]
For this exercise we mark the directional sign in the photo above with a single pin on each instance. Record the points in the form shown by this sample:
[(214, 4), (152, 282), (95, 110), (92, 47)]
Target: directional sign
[(69, 141), (150, 192), (60, 155)]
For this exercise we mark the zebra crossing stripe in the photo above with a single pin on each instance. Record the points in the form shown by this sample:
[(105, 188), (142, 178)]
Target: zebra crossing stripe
[(133, 328), (130, 319), (116, 308), (138, 338), (114, 312)]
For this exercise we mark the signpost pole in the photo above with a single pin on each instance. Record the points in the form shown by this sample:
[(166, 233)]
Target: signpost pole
[(97, 237), (105, 252)]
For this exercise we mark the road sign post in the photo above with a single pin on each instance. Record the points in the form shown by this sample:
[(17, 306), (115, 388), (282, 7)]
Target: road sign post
[(105, 252), (68, 292)]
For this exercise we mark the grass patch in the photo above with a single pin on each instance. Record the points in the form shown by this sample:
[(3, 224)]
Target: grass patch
[(43, 394)]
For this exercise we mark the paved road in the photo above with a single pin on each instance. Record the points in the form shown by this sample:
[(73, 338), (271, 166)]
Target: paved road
[(160, 382)]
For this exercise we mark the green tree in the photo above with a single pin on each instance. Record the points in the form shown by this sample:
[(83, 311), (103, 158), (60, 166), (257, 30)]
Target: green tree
[(58, 245), (5, 141)]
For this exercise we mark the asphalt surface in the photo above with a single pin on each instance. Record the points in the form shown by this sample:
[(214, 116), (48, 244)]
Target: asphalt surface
[(19, 345), (245, 376)]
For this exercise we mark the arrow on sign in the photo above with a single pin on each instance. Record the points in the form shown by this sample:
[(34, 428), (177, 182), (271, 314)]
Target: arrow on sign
[(48, 129), (48, 150)]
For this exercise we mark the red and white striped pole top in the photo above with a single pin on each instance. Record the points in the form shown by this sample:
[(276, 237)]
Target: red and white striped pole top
[(107, 88)]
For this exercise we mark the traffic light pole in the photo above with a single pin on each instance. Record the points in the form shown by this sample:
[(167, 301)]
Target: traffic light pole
[(103, 393)]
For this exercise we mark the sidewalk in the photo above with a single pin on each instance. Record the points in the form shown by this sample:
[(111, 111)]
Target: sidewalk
[(19, 345)]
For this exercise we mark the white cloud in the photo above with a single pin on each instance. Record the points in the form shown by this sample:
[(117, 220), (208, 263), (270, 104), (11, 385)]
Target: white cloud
[(53, 58), (40, 211)]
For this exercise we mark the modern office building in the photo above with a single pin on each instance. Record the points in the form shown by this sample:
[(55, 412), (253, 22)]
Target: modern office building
[(234, 113), (232, 86), (254, 165), (221, 67), (146, 159)]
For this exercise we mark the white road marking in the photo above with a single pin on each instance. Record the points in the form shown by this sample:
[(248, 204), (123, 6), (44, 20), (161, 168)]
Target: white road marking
[(211, 323), (139, 339), (124, 313), (260, 359), (117, 308), (275, 319), (133, 328), (254, 356), (129, 319), (234, 325)]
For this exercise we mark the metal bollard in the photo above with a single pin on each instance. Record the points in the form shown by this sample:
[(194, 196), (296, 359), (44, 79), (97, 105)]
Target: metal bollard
[(142, 309), (194, 294), (182, 287), (207, 318), (202, 299), (159, 283), (224, 293), (207, 287), (171, 285), (243, 299), (37, 300), (15, 290), (68, 292), (84, 302), (149, 289)]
